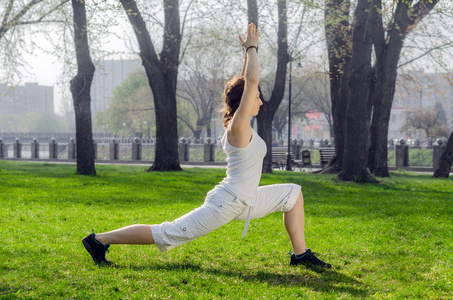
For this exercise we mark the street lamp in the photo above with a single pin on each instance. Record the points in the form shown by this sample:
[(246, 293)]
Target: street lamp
[(288, 155)]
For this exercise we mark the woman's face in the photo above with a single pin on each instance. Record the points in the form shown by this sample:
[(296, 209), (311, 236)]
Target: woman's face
[(257, 105)]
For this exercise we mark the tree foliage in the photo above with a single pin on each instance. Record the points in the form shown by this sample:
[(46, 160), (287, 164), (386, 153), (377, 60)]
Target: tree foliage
[(19, 21), (201, 85), (36, 123), (131, 109), (424, 119)]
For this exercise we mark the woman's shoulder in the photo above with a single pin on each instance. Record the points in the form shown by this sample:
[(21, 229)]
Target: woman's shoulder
[(239, 138)]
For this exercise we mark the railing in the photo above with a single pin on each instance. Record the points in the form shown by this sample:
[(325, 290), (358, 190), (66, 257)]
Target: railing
[(135, 150), (111, 150)]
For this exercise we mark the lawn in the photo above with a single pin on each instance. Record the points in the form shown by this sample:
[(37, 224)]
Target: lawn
[(390, 240)]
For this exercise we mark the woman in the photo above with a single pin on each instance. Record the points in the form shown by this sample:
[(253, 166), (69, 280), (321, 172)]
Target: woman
[(238, 196)]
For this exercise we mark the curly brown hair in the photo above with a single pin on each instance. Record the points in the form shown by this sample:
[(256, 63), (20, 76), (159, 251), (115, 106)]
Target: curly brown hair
[(232, 97)]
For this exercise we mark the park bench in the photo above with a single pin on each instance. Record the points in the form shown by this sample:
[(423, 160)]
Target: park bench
[(279, 158), (325, 155)]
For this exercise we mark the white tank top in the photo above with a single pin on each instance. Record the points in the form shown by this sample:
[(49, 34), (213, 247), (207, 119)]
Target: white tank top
[(244, 167)]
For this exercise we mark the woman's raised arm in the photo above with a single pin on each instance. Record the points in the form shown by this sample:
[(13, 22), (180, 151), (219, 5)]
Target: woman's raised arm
[(240, 130)]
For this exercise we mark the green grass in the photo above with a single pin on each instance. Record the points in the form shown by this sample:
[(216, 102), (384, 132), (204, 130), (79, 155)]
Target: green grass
[(391, 240), (420, 157)]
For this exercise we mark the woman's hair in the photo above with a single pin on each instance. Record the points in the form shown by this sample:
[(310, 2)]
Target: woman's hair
[(233, 94)]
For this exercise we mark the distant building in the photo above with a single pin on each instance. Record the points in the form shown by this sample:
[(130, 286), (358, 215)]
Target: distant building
[(416, 90), (316, 126), (24, 99), (396, 122), (108, 75)]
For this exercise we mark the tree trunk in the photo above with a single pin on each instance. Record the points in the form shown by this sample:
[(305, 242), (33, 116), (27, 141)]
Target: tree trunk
[(387, 57), (252, 12), (209, 131), (355, 146), (377, 162), (443, 167), (197, 134), (166, 155), (80, 87), (265, 131), (268, 109), (388, 51), (162, 77), (199, 129), (338, 36)]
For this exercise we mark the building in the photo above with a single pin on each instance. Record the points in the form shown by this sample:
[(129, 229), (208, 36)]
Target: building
[(416, 90), (24, 99), (315, 126), (108, 75)]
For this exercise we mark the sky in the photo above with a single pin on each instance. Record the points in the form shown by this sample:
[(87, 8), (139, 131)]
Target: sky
[(46, 69)]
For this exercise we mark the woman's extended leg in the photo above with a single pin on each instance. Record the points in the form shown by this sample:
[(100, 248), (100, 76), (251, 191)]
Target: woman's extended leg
[(138, 234), (98, 244), (220, 207), (294, 221)]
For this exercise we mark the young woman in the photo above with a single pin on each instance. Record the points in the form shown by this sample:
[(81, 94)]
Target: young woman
[(238, 196)]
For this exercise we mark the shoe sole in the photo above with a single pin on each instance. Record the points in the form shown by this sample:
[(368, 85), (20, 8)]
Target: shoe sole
[(307, 264)]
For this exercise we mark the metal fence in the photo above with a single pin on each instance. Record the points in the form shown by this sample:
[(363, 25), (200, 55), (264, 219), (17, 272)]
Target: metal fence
[(401, 153)]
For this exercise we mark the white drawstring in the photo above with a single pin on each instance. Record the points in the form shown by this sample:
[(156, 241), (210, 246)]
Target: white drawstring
[(244, 232)]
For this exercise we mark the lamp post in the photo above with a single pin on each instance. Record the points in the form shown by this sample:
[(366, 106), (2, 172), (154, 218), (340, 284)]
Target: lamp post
[(288, 155)]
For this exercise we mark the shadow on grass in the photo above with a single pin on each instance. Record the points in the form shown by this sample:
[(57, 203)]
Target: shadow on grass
[(316, 279)]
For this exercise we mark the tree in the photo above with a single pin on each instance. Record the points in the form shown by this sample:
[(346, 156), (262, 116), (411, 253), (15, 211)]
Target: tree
[(269, 107), (424, 119), (309, 93), (201, 89), (47, 122), (17, 15), (441, 111), (131, 108), (162, 73), (445, 161), (357, 120), (338, 37), (298, 110), (316, 94), (387, 45), (80, 87), (9, 122)]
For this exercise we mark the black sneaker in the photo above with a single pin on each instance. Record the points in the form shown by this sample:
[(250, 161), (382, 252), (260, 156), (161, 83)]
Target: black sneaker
[(308, 258), (96, 249)]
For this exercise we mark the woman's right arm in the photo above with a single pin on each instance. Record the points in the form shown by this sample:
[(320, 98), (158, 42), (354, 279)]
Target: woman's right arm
[(240, 131)]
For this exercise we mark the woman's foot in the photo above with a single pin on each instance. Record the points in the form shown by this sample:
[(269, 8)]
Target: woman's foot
[(308, 258), (96, 249)]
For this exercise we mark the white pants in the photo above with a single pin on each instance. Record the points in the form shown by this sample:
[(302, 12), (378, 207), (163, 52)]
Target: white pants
[(219, 208)]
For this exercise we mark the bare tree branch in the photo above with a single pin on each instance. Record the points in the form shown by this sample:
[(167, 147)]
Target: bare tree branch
[(6, 25), (426, 53), (39, 20)]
